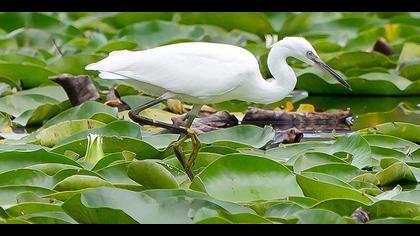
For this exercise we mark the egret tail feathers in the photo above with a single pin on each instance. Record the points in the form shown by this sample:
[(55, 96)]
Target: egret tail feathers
[(116, 61), (108, 75)]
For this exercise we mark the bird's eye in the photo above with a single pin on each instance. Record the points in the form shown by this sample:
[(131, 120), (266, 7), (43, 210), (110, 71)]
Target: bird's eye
[(309, 54)]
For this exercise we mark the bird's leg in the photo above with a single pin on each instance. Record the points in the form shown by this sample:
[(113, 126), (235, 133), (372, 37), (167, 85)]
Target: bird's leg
[(185, 133), (177, 145), (141, 120)]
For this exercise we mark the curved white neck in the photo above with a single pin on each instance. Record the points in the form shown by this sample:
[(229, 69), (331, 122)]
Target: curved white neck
[(270, 91)]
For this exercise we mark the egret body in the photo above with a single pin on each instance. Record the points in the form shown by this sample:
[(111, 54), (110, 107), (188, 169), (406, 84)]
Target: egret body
[(206, 73)]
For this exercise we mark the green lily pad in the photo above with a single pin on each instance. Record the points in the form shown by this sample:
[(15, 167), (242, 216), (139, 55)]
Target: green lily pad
[(84, 111), (253, 22), (77, 210), (58, 132), (31, 208), (241, 178), (15, 159), (352, 60), (318, 216), (74, 64), (150, 34), (49, 218), (203, 160), (310, 188), (315, 81), (355, 145), (21, 58), (30, 75), (11, 21), (142, 149), (8, 194), (117, 174), (17, 105), (341, 206), (326, 178), (399, 172), (386, 141), (394, 221), (122, 19), (77, 182), (108, 160), (408, 196), (218, 150), (151, 175), (393, 208), (311, 159), (409, 51), (380, 153), (282, 210), (26, 177), (402, 130), (51, 168), (288, 151), (115, 128), (38, 115), (118, 206), (341, 171), (242, 136)]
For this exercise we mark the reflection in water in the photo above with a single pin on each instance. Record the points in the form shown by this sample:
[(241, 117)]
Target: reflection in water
[(313, 125), (369, 110), (361, 104)]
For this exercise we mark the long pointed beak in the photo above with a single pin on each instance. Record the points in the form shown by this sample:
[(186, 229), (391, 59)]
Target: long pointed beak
[(330, 71)]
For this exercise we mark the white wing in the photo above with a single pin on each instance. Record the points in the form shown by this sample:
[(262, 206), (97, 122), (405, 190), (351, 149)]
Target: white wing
[(196, 69)]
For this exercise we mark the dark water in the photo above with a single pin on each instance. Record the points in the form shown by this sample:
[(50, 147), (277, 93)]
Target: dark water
[(371, 110), (367, 110)]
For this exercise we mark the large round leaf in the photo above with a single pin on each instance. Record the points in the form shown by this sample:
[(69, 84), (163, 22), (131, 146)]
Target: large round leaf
[(242, 178), (403, 130), (254, 22), (114, 205), (116, 128), (84, 111), (15, 160), (151, 175), (56, 133), (242, 135), (311, 188), (30, 75)]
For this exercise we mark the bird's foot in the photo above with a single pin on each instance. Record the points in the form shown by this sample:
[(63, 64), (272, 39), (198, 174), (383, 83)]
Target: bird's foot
[(187, 164)]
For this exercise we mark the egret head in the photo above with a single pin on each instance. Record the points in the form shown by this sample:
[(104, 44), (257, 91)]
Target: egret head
[(301, 49)]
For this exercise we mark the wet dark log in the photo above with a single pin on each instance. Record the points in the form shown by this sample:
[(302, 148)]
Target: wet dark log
[(223, 119), (291, 135), (79, 89), (301, 120), (382, 46), (206, 122), (288, 125)]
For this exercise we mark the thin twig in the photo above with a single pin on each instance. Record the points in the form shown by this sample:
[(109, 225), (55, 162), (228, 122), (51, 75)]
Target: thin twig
[(57, 47)]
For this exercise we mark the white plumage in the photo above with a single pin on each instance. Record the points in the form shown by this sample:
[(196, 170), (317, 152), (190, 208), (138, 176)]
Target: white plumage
[(205, 73)]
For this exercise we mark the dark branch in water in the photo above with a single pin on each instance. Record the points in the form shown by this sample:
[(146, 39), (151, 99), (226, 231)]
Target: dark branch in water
[(383, 47), (301, 120), (208, 122), (79, 89), (288, 125)]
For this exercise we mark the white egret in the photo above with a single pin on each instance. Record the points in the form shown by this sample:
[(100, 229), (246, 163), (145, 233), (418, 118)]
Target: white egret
[(206, 73)]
